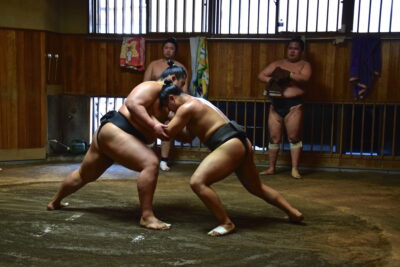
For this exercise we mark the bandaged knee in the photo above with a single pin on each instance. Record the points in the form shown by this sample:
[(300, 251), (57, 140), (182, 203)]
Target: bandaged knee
[(298, 144), (272, 146)]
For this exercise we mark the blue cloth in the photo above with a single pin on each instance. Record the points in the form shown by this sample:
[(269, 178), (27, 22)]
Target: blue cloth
[(366, 63)]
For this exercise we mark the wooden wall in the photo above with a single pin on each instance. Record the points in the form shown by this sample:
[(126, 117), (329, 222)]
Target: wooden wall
[(92, 66), (22, 89), (234, 67)]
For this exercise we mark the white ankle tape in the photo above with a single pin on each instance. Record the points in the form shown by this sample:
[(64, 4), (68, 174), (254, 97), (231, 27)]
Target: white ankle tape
[(296, 145), (273, 146)]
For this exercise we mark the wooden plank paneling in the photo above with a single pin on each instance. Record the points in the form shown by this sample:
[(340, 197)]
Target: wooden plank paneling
[(22, 89), (8, 92)]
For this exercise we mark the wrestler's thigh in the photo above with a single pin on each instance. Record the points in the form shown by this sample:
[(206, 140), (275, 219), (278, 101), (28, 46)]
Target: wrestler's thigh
[(294, 122), (247, 171), (94, 164), (275, 123), (125, 149), (219, 163)]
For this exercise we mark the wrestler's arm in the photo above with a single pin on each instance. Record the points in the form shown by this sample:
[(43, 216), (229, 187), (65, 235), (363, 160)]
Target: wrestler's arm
[(137, 103), (303, 75), (148, 72), (177, 125), (264, 75)]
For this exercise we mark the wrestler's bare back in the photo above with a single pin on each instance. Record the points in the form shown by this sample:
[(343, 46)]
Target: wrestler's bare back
[(204, 119)]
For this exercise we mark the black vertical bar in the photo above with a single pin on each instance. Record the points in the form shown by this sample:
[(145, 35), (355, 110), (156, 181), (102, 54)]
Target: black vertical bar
[(98, 111), (358, 16), (263, 125), (308, 7), (184, 16), (362, 129), (327, 16), (341, 131), (230, 15), (287, 15), (212, 19), (248, 19), (312, 127), (277, 6), (202, 17), (115, 16), (207, 22), (373, 129), (352, 128), (149, 8), (95, 17), (391, 15), (369, 14), (193, 15), (90, 20), (316, 23), (321, 145), (348, 15), (166, 15), (394, 137), (383, 131), (240, 13), (380, 16), (258, 17), (297, 17), (175, 16), (158, 16), (219, 17), (107, 23), (337, 16)]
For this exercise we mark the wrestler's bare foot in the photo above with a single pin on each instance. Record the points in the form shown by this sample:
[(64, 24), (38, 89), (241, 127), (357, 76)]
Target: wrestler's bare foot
[(221, 230), (295, 173), (296, 216), (269, 171), (154, 223), (56, 205)]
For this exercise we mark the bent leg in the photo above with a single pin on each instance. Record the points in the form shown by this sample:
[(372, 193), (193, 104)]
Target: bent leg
[(294, 127), (93, 166), (215, 167), (135, 155), (247, 174), (275, 123)]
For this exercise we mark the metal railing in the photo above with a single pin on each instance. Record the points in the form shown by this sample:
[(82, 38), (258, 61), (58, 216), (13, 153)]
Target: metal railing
[(355, 129)]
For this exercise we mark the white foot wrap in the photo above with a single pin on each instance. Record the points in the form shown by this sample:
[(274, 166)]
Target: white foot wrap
[(219, 231), (296, 145), (272, 146), (164, 166)]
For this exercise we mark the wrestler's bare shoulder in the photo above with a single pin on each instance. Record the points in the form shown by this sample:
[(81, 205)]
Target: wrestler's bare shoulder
[(192, 104)]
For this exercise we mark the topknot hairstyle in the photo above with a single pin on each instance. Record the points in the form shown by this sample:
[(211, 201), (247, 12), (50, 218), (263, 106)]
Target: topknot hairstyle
[(173, 69), (168, 89), (170, 63)]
